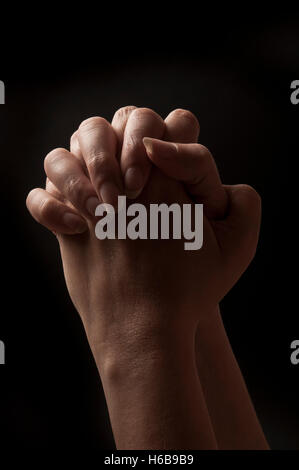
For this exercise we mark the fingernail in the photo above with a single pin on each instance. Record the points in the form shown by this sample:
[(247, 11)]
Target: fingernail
[(74, 222), (91, 204), (133, 182), (162, 148), (148, 143), (109, 193)]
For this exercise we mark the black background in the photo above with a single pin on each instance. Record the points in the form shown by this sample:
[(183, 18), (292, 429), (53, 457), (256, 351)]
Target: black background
[(235, 75)]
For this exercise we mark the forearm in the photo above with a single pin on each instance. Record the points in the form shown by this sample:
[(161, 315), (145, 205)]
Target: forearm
[(154, 396), (233, 417)]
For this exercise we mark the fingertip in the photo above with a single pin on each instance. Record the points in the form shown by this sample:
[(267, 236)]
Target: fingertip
[(53, 214), (159, 148)]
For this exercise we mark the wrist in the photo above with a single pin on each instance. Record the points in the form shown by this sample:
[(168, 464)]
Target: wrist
[(150, 378), (130, 333), (130, 351), (157, 389)]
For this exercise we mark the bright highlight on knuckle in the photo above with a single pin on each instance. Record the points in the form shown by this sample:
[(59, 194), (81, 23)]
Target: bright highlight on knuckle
[(31, 197), (124, 112), (132, 142), (92, 123), (97, 161), (188, 115), (141, 114), (47, 209), (73, 186), (74, 139), (54, 157)]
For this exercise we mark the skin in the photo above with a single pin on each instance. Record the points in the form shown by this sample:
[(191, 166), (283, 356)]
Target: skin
[(150, 308)]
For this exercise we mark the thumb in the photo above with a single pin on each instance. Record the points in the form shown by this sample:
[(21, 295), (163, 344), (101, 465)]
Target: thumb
[(238, 234), (193, 165)]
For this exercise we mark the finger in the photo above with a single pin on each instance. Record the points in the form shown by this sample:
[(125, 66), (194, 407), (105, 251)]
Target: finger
[(181, 126), (76, 151), (66, 173), (98, 144), (53, 214), (135, 164), (239, 236), (75, 147), (119, 123), (51, 189), (194, 165)]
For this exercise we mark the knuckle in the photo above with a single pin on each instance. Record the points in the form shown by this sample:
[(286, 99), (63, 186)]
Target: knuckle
[(206, 157), (124, 112), (93, 122), (52, 189), (132, 141), (133, 145), (47, 209), (188, 115), (99, 168), (74, 144), (74, 137), (30, 196), (53, 157), (74, 188), (204, 163), (97, 162), (204, 150), (252, 195), (143, 113)]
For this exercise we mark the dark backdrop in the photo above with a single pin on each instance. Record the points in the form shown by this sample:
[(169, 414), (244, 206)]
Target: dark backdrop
[(235, 76)]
